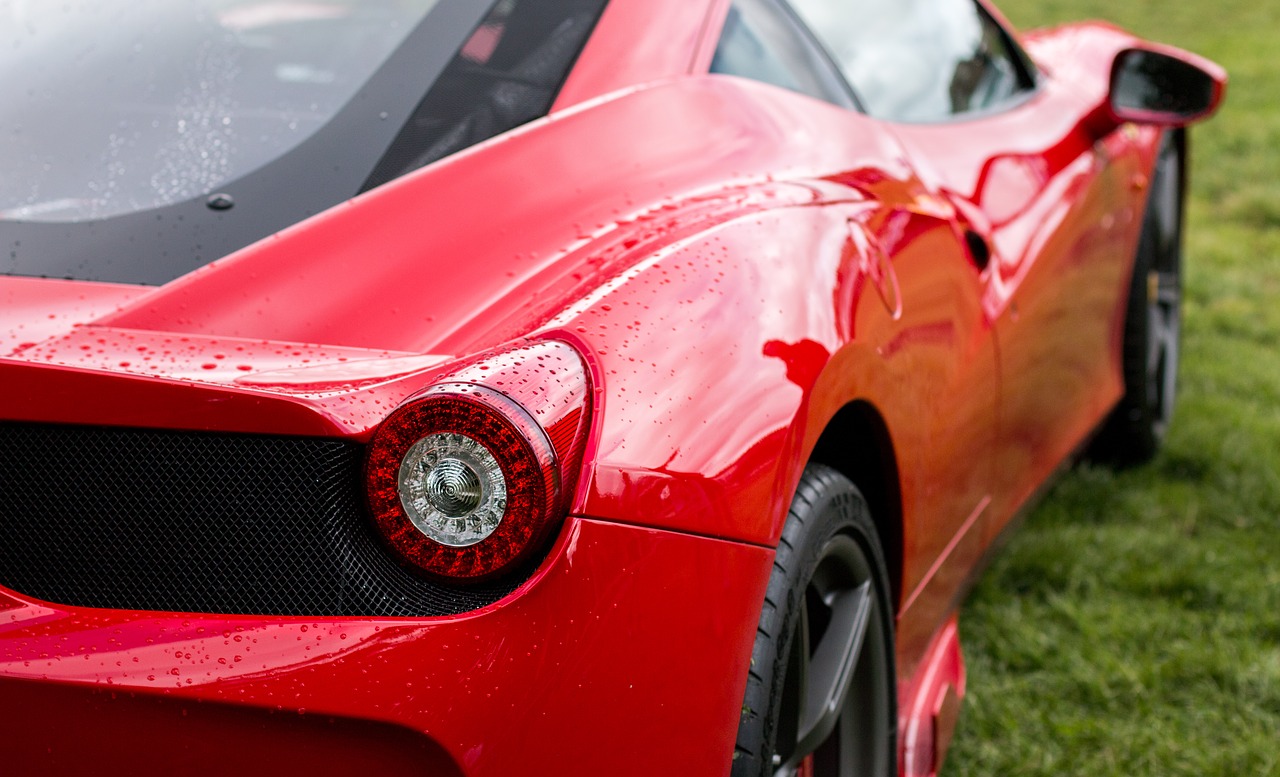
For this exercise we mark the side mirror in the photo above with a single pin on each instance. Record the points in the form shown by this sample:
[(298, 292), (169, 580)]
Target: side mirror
[(1164, 86)]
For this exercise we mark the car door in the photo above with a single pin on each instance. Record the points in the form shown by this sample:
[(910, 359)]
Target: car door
[(1032, 197)]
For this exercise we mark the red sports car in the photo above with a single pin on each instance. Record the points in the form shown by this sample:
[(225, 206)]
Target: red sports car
[(515, 387)]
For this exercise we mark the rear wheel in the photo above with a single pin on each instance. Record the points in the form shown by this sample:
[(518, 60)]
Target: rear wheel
[(1153, 322), (820, 694)]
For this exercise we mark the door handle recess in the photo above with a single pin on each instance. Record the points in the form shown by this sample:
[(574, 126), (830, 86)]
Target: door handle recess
[(979, 249)]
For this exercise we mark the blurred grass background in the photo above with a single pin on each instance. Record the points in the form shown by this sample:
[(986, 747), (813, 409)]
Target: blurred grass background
[(1132, 627)]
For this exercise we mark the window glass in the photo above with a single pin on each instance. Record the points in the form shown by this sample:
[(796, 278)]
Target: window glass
[(763, 42), (127, 105), (507, 73), (990, 75), (917, 60)]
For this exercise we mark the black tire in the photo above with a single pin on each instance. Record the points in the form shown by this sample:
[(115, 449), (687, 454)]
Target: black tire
[(828, 583), (1137, 427)]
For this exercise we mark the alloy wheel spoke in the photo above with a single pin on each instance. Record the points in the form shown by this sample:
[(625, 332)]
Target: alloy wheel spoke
[(831, 667), (1169, 367), (1157, 326), (1163, 334)]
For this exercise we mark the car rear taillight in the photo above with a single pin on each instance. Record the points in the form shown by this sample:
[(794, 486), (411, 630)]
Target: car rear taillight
[(469, 478)]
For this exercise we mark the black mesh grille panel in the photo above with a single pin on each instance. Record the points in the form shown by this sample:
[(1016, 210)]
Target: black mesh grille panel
[(194, 522)]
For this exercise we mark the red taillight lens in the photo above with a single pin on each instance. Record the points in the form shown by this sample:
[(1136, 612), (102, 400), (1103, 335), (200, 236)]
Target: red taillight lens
[(464, 483)]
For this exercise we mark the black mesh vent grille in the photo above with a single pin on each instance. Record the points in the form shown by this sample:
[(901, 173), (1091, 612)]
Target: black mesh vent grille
[(193, 522)]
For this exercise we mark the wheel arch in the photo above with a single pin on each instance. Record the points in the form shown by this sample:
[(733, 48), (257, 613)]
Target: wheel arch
[(857, 444)]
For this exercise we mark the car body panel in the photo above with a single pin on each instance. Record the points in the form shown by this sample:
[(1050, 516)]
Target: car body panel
[(34, 310), (1059, 211)]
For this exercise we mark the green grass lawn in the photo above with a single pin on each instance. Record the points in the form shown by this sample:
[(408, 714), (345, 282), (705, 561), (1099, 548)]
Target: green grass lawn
[(1132, 627)]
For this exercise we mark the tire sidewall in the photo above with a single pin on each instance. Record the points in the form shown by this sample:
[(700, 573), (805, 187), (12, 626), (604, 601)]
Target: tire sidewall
[(826, 505)]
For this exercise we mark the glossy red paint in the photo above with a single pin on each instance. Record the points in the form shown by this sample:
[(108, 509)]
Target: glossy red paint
[(516, 688), (929, 703), (727, 306), (1055, 210), (638, 43), (33, 310)]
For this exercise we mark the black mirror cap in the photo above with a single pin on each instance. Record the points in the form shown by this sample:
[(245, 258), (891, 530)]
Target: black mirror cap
[(1164, 86)]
